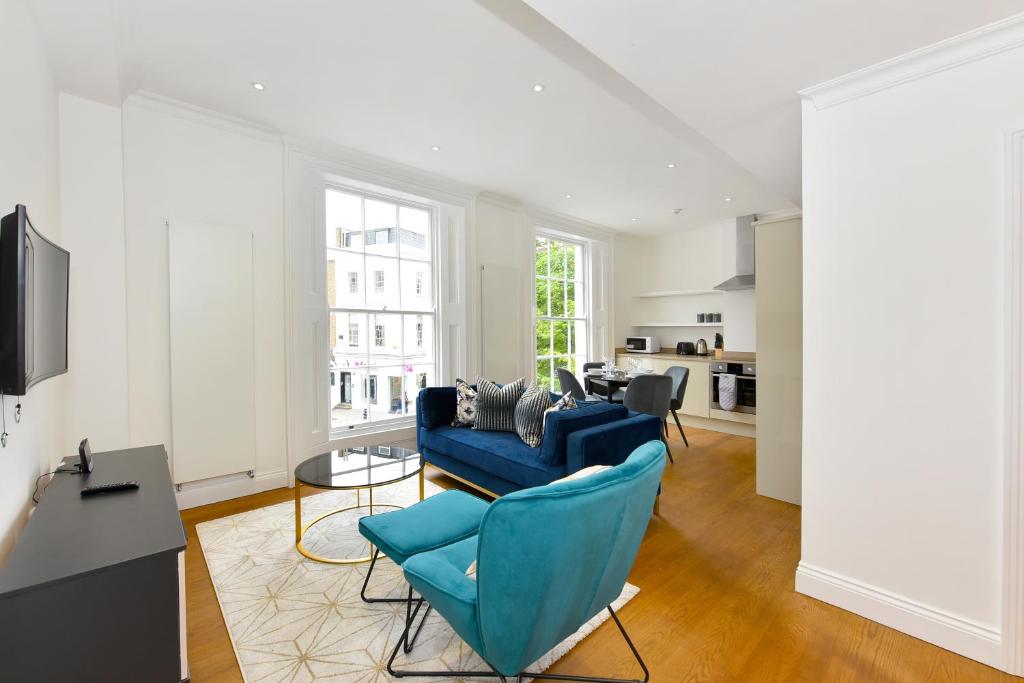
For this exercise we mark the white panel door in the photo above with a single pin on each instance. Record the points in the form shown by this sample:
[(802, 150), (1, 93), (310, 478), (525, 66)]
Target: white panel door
[(212, 351)]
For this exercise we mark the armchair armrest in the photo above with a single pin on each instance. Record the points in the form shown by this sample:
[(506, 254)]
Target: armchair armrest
[(435, 406), (610, 443)]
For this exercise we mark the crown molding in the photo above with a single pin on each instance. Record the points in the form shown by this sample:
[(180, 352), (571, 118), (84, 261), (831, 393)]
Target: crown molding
[(351, 163), (555, 220), (1007, 34), (201, 115)]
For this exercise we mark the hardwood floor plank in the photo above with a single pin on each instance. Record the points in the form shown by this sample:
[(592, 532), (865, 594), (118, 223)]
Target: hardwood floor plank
[(716, 602)]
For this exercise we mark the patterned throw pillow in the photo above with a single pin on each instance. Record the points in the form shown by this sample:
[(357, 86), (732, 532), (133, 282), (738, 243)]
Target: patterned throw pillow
[(529, 415), (465, 404), (496, 406), (567, 402)]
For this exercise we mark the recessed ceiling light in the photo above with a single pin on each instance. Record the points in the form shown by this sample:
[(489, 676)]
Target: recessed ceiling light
[(671, 164), (257, 85), (728, 199), (568, 196), (677, 211), (435, 148), (634, 219), (538, 87)]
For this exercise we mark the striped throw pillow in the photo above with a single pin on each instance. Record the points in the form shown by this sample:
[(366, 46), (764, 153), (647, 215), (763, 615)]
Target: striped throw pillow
[(496, 406), (529, 416)]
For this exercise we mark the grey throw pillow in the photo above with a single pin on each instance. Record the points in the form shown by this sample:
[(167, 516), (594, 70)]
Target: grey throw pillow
[(496, 406), (529, 415), (465, 404)]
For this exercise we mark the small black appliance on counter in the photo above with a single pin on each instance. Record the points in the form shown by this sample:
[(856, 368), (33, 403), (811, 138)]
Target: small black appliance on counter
[(686, 349)]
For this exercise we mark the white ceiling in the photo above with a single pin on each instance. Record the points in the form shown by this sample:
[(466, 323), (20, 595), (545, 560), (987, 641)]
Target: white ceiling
[(707, 85), (731, 68)]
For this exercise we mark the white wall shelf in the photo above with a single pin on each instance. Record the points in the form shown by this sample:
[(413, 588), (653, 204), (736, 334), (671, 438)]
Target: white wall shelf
[(677, 292), (677, 324)]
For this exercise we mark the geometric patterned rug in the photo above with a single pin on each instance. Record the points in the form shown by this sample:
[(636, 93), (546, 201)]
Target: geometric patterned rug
[(293, 619)]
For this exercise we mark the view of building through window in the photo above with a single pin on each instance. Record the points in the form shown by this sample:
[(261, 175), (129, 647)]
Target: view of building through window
[(381, 333), (561, 315)]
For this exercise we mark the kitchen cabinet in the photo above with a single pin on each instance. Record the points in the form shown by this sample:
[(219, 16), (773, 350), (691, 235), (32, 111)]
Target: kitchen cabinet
[(697, 401)]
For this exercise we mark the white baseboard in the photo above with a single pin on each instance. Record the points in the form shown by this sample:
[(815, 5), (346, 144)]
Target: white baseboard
[(963, 636), (199, 493)]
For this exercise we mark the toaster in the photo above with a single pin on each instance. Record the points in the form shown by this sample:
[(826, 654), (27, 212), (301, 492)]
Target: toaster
[(686, 349)]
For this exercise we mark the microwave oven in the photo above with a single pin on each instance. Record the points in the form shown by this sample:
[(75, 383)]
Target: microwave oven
[(642, 345)]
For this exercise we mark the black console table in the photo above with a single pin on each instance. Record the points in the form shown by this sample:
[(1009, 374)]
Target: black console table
[(94, 590)]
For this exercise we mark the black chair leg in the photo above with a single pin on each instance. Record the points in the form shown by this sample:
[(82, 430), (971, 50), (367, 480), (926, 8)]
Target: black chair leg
[(680, 425), (366, 582), (664, 440)]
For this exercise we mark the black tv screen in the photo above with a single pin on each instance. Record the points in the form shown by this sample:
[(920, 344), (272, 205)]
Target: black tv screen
[(33, 305)]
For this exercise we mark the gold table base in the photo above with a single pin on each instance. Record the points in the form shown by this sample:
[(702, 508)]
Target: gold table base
[(301, 529)]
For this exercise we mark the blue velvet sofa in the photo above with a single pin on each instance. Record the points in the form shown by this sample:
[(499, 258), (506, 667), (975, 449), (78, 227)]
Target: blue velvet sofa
[(500, 463)]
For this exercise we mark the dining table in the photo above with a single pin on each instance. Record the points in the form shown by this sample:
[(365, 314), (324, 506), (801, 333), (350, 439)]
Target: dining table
[(610, 384)]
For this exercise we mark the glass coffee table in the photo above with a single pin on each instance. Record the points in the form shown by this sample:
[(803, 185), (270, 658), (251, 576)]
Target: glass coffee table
[(352, 469)]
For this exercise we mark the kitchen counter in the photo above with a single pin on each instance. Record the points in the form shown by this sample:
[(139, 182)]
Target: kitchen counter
[(736, 356)]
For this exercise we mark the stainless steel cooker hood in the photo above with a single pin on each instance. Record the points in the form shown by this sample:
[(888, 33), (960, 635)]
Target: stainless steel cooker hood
[(744, 277)]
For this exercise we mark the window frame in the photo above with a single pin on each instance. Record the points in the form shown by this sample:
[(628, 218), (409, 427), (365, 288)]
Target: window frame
[(582, 278), (430, 261)]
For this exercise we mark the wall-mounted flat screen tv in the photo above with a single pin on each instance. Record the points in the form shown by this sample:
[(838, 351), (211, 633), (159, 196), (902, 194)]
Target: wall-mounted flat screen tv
[(33, 305)]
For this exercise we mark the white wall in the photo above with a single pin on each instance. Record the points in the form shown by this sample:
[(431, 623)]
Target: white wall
[(92, 229), (194, 167), (904, 204), (693, 259), (28, 175)]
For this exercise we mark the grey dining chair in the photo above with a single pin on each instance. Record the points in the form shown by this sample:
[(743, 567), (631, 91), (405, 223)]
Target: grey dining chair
[(652, 394), (570, 385), (679, 377), (586, 380)]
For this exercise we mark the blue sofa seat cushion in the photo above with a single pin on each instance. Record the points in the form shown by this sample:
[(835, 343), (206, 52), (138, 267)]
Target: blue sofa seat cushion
[(438, 521), (560, 424), (501, 453)]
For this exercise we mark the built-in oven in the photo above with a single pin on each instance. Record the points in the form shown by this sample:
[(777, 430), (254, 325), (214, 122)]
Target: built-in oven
[(746, 385)]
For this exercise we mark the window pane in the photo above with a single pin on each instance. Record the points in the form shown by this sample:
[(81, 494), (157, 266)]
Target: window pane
[(414, 233), (559, 362), (387, 396), (348, 402), (343, 218), (541, 257), (543, 338), (557, 259), (570, 299), (417, 286), (419, 338), (417, 376), (381, 228), (574, 257), (542, 297), (348, 338), (384, 337), (560, 330), (577, 302), (557, 298), (345, 281), (382, 283), (544, 378)]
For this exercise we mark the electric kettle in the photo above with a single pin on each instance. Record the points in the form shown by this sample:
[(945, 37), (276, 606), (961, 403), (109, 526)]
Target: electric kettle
[(702, 347)]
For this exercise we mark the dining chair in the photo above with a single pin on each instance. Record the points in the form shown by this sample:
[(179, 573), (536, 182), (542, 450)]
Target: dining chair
[(579, 539), (586, 379), (570, 385), (679, 377), (651, 394)]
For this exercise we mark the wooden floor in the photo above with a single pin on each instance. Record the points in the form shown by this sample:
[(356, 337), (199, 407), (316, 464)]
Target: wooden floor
[(716, 598)]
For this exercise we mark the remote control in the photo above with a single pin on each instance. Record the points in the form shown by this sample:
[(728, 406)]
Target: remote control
[(107, 488)]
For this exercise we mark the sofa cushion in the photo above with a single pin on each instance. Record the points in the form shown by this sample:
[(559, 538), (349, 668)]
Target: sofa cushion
[(502, 454), (465, 404), (496, 405), (560, 424), (529, 416)]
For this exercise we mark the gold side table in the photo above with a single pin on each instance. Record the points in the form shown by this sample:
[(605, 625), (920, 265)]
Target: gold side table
[(352, 469)]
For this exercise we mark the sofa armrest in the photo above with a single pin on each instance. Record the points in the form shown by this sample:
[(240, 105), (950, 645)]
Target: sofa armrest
[(435, 406), (611, 443), (559, 425)]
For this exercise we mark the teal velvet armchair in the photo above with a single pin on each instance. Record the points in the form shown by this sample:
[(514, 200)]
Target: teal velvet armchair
[(549, 558)]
